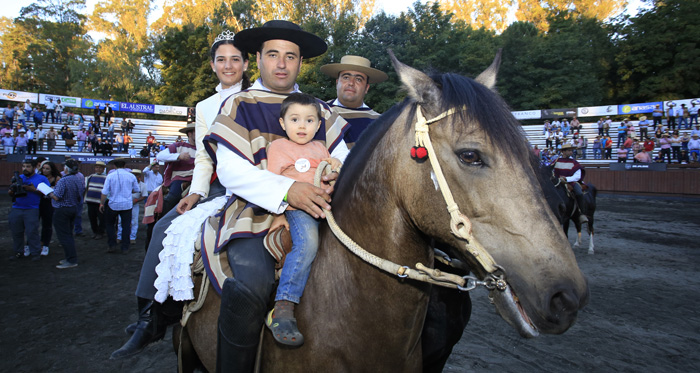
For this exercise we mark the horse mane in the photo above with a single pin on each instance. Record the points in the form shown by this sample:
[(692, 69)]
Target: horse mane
[(483, 106)]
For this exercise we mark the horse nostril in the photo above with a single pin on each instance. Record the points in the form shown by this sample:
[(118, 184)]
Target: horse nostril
[(563, 307)]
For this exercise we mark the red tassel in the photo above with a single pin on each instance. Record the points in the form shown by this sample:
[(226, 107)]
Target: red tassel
[(419, 153)]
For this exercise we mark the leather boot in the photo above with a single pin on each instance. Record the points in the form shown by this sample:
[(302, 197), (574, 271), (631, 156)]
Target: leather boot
[(240, 321), (172, 311), (149, 329)]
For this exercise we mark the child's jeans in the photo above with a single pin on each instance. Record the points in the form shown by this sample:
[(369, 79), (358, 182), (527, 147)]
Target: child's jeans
[(304, 230)]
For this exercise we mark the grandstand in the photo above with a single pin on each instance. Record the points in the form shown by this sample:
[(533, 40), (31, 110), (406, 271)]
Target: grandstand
[(167, 131)]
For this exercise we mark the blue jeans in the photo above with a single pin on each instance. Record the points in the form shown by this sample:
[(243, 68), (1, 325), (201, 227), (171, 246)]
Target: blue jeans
[(63, 220), (110, 224), (693, 117), (304, 230), (81, 145), (25, 222)]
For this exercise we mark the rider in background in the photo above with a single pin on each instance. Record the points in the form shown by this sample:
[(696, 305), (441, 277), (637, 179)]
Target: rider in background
[(570, 171)]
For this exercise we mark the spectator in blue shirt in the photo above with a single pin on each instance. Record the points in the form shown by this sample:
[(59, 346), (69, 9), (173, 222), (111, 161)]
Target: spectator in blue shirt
[(24, 215), (67, 195), (118, 187)]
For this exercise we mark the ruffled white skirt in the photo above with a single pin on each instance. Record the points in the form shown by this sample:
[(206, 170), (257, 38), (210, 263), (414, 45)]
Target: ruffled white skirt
[(174, 273)]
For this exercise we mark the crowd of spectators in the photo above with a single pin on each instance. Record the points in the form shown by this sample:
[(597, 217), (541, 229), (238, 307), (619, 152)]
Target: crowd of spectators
[(102, 134), (642, 141)]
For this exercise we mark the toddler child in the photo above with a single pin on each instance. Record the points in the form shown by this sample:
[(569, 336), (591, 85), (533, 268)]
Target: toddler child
[(298, 158)]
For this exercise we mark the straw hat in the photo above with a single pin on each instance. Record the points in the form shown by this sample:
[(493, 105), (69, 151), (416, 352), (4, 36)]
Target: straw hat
[(309, 44), (100, 163), (354, 63), (567, 146), (136, 171), (643, 117), (188, 128)]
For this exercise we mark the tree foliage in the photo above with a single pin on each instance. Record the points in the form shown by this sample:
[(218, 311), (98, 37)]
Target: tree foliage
[(560, 53)]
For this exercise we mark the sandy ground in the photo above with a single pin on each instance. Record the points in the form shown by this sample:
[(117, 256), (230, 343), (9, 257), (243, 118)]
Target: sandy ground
[(644, 313)]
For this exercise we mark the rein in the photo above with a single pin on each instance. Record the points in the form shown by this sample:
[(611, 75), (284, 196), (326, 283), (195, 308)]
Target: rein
[(459, 224)]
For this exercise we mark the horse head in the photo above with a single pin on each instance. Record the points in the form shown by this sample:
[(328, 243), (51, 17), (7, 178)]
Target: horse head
[(496, 183)]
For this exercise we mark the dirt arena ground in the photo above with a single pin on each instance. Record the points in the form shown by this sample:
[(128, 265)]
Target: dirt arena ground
[(644, 313)]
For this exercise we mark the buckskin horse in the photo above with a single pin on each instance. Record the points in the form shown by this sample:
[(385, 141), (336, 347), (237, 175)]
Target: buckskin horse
[(389, 200)]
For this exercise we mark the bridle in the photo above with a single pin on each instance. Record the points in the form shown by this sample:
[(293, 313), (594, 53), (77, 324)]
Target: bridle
[(460, 226)]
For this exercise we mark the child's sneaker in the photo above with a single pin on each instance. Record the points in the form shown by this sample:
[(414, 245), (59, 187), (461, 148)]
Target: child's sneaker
[(26, 251), (45, 250)]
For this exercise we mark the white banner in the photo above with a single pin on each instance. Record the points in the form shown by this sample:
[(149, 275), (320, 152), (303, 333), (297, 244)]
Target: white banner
[(66, 101), (597, 111), (171, 110), (18, 96), (677, 103), (528, 114)]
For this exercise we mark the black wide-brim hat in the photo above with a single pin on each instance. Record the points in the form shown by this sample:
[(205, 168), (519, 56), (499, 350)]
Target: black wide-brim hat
[(309, 44)]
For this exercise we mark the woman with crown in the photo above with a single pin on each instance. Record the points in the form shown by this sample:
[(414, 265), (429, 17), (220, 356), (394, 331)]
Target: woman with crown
[(229, 63)]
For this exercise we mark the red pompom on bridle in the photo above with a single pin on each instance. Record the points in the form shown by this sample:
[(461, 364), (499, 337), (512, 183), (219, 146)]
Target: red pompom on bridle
[(419, 153)]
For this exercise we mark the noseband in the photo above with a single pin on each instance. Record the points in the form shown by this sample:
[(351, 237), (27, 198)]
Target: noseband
[(459, 225)]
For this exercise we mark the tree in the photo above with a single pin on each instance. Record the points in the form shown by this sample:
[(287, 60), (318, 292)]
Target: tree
[(43, 47), (658, 54), (185, 71), (490, 14), (125, 57), (538, 11)]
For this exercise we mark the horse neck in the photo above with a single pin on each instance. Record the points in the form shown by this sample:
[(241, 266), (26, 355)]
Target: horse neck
[(369, 210)]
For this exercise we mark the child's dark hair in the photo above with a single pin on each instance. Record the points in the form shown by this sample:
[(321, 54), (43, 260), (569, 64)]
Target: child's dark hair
[(301, 99)]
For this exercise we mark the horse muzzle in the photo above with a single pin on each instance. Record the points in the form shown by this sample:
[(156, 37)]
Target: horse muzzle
[(559, 314)]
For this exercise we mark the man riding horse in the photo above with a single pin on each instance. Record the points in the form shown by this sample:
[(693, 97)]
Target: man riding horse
[(568, 170)]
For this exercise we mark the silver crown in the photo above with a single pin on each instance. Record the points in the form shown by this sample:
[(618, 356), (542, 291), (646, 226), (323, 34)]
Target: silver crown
[(226, 35)]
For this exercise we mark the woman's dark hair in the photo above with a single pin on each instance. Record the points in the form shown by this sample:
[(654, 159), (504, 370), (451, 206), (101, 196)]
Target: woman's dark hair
[(245, 81), (54, 169)]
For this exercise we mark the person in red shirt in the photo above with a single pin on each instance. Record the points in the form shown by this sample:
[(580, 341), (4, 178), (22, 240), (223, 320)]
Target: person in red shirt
[(150, 141), (570, 171), (649, 146)]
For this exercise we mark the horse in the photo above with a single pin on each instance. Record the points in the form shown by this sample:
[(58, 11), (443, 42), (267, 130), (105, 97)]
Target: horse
[(356, 317), (571, 212)]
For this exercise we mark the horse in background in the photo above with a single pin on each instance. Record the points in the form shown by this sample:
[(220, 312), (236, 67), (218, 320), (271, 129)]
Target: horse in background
[(356, 317), (571, 212)]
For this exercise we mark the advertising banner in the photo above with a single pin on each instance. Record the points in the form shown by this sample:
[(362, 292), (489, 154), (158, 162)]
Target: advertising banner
[(89, 103), (18, 96), (136, 108), (597, 111), (638, 166), (66, 101), (170, 110), (527, 114), (558, 113), (676, 104), (643, 108)]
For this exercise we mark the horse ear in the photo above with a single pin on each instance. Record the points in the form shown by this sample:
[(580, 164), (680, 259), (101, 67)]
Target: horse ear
[(420, 86), (488, 76)]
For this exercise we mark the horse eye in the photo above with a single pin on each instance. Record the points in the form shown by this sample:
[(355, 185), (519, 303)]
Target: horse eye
[(470, 158)]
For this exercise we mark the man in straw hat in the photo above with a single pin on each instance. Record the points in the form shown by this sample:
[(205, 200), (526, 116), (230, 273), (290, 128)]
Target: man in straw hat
[(93, 192), (240, 163), (570, 171), (353, 76)]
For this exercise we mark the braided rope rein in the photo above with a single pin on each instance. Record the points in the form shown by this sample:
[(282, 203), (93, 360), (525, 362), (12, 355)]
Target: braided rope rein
[(459, 224)]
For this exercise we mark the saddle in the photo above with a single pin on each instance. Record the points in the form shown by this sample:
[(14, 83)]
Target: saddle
[(570, 188)]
